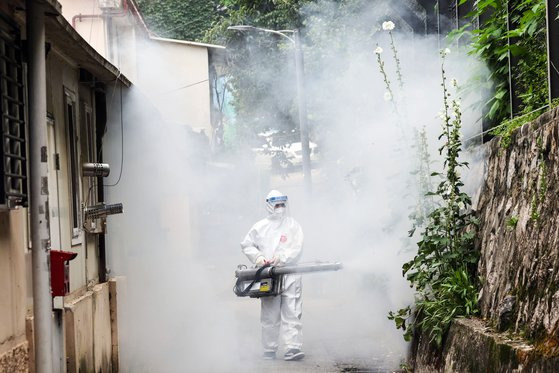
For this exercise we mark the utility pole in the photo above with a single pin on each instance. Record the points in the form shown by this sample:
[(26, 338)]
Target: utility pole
[(301, 102), (302, 105), (40, 237)]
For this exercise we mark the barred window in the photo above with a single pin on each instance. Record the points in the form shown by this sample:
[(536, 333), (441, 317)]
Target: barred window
[(13, 168)]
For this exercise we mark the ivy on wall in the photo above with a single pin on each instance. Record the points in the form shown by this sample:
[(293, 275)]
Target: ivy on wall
[(179, 19)]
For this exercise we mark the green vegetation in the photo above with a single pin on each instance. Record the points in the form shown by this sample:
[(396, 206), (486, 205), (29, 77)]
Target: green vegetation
[(179, 19), (511, 222), (424, 204), (526, 42), (443, 270), (259, 64)]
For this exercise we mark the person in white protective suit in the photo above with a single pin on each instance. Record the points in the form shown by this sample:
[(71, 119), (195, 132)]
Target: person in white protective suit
[(278, 240)]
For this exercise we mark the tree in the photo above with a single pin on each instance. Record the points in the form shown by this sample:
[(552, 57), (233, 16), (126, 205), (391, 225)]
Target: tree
[(261, 68)]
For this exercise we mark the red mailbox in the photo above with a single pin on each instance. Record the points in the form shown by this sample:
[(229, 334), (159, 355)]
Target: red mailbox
[(60, 272)]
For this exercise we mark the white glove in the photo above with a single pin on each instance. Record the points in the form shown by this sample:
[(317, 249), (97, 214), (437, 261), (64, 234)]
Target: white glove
[(275, 261), (260, 261)]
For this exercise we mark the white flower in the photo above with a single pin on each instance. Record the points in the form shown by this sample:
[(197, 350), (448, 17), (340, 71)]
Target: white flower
[(388, 96), (449, 190), (442, 115), (446, 51), (378, 50), (388, 26), (454, 82)]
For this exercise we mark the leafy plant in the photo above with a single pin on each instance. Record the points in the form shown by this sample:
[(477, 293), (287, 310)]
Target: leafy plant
[(511, 222), (494, 43), (425, 203), (179, 19), (505, 129), (443, 270), (258, 66), (389, 95)]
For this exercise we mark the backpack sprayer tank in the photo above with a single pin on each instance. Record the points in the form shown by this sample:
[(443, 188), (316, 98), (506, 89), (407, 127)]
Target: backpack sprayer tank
[(267, 281)]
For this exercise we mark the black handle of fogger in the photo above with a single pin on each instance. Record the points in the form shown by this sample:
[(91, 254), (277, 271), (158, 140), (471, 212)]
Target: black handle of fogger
[(257, 276)]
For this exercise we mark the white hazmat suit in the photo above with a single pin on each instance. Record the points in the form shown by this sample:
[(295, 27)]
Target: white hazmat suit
[(278, 239)]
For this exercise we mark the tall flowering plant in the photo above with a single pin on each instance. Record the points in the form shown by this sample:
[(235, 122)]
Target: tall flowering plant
[(443, 270)]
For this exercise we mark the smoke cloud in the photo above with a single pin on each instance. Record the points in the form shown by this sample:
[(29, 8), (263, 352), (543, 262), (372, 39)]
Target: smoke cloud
[(177, 244)]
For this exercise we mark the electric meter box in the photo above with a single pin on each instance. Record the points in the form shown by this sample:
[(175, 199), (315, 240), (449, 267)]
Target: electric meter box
[(60, 272)]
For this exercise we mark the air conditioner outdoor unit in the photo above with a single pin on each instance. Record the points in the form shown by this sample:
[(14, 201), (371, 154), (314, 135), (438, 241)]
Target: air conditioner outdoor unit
[(109, 4)]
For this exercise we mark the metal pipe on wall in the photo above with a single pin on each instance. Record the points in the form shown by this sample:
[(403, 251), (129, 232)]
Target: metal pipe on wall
[(42, 300)]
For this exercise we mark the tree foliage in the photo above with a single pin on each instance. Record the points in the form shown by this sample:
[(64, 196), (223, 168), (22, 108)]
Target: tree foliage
[(492, 41), (261, 68), (261, 65), (179, 19)]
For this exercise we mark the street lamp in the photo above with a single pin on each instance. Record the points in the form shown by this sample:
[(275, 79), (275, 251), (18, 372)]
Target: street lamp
[(303, 130)]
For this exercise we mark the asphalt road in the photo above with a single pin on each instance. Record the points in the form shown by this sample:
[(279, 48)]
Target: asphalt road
[(338, 337)]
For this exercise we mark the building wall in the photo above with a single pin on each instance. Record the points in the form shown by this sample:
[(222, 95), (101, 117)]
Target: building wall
[(91, 29), (173, 73), (82, 321), (87, 322), (112, 34), (13, 289), (62, 77), (15, 281), (178, 74)]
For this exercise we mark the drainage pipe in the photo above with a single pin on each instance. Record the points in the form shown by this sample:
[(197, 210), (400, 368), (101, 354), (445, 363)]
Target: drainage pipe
[(42, 300)]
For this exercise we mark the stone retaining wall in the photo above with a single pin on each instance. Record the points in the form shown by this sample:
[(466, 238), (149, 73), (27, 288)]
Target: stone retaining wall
[(518, 205), (519, 236)]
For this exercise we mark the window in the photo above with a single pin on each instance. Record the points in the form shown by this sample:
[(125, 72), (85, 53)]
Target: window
[(88, 143), (13, 167), (90, 135), (73, 164)]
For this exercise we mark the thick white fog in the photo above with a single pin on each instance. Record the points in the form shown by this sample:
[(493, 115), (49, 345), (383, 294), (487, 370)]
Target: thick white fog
[(176, 245)]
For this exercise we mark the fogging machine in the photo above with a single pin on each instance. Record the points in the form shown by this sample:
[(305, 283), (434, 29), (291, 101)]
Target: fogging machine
[(267, 281)]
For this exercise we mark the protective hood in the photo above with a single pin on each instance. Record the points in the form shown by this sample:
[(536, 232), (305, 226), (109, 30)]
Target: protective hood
[(273, 199)]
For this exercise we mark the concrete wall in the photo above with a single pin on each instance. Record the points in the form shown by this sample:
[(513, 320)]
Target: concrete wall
[(114, 37), (13, 290), (87, 320), (91, 29), (176, 74)]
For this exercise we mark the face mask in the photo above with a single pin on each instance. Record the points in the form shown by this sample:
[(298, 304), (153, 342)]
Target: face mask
[(279, 212)]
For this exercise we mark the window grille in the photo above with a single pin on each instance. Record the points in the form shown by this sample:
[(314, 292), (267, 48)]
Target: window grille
[(13, 168)]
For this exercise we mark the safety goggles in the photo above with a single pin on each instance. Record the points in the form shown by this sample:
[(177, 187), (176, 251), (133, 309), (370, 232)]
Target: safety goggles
[(276, 200)]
